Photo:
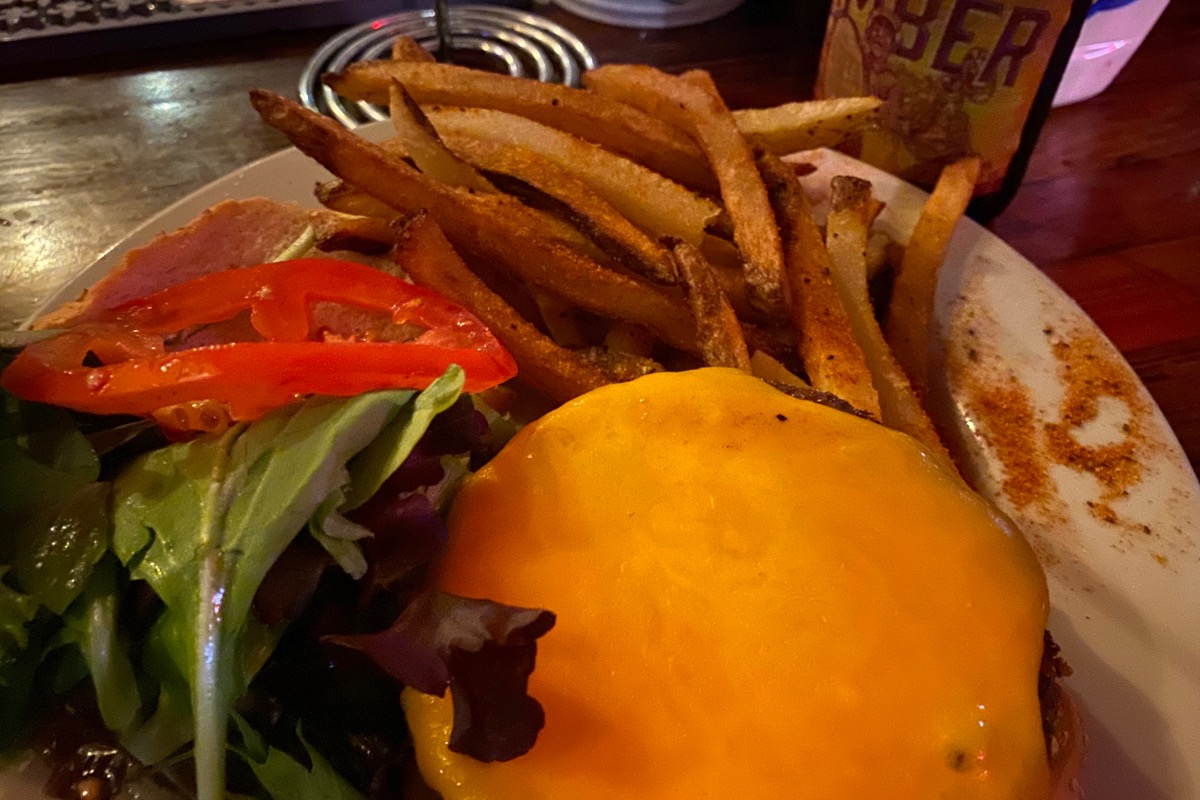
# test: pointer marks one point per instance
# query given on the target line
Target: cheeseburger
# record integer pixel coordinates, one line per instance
(757, 596)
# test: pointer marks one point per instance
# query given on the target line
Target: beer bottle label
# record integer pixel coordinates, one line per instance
(956, 77)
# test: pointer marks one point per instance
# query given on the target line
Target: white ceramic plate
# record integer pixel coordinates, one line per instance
(1121, 556)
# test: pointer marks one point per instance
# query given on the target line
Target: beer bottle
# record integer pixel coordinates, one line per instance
(956, 77)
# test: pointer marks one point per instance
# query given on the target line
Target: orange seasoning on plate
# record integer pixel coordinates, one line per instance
(956, 77)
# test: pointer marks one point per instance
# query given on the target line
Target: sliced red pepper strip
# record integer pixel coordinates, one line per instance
(280, 297)
(251, 378)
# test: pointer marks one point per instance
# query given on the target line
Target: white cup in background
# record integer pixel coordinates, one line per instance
(1112, 32)
(649, 13)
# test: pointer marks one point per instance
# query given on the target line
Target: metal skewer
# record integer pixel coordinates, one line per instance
(441, 17)
(507, 40)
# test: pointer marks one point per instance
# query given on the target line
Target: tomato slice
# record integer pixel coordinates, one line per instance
(137, 374)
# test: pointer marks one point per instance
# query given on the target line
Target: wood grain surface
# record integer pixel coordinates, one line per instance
(1110, 208)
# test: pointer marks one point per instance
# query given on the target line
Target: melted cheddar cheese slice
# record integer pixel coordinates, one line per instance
(757, 597)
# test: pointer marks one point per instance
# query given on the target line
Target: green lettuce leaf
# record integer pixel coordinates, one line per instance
(55, 546)
(382, 457)
(371, 468)
(91, 624)
(19, 667)
(203, 521)
(17, 610)
(54, 508)
(43, 456)
(284, 777)
(55, 513)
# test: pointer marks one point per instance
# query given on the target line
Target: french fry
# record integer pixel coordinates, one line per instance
(337, 195)
(406, 48)
(770, 369)
(421, 141)
(618, 365)
(720, 337)
(910, 314)
(832, 357)
(792, 127)
(846, 232)
(611, 124)
(632, 339)
(493, 227)
(549, 227)
(727, 263)
(367, 235)
(545, 186)
(777, 342)
(423, 252)
(655, 204)
(882, 252)
(560, 319)
(695, 106)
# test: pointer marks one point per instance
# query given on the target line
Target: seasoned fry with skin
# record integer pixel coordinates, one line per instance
(846, 240)
(420, 140)
(793, 127)
(910, 313)
(620, 366)
(549, 227)
(488, 227)
(367, 235)
(423, 252)
(406, 48)
(656, 204)
(695, 106)
(545, 186)
(337, 195)
(727, 262)
(609, 123)
(832, 357)
(717, 329)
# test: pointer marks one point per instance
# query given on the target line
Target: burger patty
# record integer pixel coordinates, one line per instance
(1050, 696)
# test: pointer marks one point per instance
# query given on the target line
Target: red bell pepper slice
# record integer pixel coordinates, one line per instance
(139, 376)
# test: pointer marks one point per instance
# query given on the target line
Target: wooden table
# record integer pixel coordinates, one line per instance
(1110, 208)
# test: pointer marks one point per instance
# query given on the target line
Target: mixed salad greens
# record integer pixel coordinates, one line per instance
(256, 591)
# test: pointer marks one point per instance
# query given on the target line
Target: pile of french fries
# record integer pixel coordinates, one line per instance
(635, 225)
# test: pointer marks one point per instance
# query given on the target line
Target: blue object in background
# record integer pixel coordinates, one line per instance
(1108, 5)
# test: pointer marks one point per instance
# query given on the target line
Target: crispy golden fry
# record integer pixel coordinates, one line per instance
(695, 106)
(406, 48)
(561, 320)
(487, 227)
(549, 227)
(423, 145)
(846, 240)
(609, 123)
(832, 357)
(654, 203)
(770, 369)
(337, 195)
(367, 235)
(632, 339)
(910, 313)
(543, 185)
(792, 127)
(423, 252)
(727, 262)
(722, 343)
